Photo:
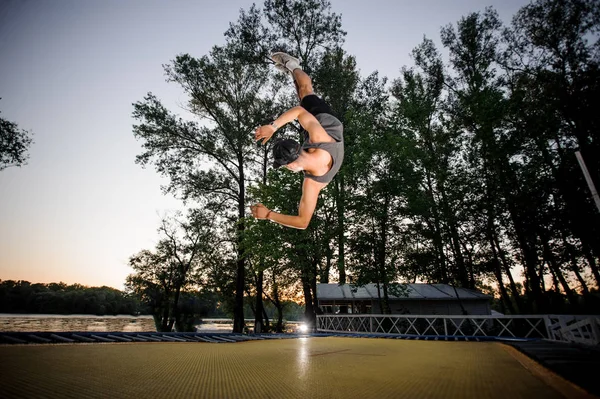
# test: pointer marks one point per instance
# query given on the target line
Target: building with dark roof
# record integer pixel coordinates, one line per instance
(417, 299)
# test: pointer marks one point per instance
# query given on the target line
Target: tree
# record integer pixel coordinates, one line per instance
(160, 277)
(553, 71)
(306, 28)
(60, 298)
(14, 144)
(457, 173)
(434, 147)
(336, 79)
(376, 178)
(225, 93)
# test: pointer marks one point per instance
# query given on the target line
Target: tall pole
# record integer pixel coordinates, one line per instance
(588, 179)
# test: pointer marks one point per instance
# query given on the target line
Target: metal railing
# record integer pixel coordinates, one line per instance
(580, 330)
(555, 327)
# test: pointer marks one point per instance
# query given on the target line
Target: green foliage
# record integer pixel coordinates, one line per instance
(459, 171)
(184, 257)
(306, 28)
(14, 143)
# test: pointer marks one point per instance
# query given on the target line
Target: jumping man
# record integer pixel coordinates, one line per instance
(321, 154)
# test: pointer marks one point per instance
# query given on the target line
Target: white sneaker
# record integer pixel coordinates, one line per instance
(282, 68)
(286, 61)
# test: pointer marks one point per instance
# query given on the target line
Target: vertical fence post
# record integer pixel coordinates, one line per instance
(445, 327)
(595, 325)
(370, 323)
(547, 322)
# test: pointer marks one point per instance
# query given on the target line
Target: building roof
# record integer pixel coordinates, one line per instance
(414, 292)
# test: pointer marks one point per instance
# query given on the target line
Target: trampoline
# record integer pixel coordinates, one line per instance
(304, 367)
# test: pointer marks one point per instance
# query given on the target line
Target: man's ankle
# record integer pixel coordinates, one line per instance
(292, 66)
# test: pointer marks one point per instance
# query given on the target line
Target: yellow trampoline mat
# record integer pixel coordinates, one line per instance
(320, 367)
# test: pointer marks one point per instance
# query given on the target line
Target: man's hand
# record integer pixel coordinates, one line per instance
(264, 133)
(259, 211)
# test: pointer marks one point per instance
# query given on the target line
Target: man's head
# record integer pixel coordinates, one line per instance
(285, 153)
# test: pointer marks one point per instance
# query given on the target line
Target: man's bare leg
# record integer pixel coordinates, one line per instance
(303, 83)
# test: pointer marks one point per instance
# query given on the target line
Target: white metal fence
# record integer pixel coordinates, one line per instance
(572, 328)
(583, 330)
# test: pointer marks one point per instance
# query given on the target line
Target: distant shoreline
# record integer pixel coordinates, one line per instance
(142, 316)
(72, 315)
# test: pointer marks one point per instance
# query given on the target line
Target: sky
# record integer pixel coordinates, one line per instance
(70, 71)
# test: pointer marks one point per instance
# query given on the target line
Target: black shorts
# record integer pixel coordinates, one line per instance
(316, 105)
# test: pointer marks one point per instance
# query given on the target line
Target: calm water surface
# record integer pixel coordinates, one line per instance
(119, 323)
(62, 323)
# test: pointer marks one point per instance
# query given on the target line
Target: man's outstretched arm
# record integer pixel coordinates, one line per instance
(265, 132)
(315, 131)
(308, 203)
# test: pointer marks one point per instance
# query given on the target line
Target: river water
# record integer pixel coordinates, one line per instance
(64, 323)
(120, 323)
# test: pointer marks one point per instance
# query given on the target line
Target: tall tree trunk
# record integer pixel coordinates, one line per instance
(386, 299)
(313, 285)
(582, 283)
(379, 298)
(469, 259)
(279, 325)
(165, 319)
(563, 179)
(511, 280)
(437, 238)
(463, 276)
(460, 303)
(592, 264)
(382, 256)
(258, 314)
(277, 302)
(526, 240)
(341, 199)
(307, 278)
(558, 273)
(309, 311)
(575, 270)
(498, 274)
(266, 317)
(541, 277)
(555, 282)
(495, 242)
(238, 310)
(503, 293)
(175, 311)
(324, 276)
(570, 251)
(525, 232)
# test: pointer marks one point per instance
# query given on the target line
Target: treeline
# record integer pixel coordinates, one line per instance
(60, 298)
(460, 170)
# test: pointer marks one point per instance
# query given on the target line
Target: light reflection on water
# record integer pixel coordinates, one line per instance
(119, 323)
(66, 323)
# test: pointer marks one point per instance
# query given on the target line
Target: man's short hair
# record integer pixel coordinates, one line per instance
(285, 151)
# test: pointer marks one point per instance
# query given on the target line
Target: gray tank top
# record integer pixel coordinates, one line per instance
(335, 129)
